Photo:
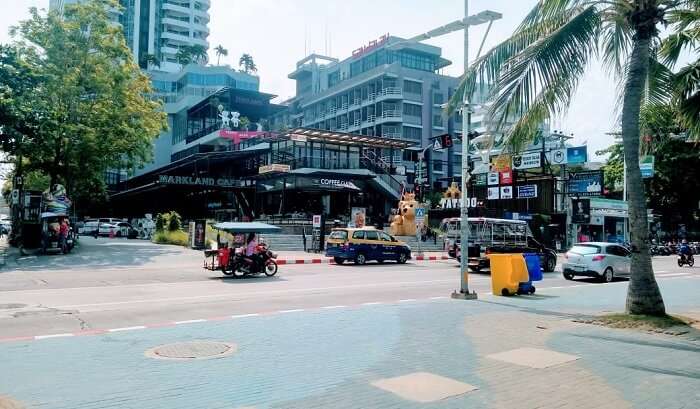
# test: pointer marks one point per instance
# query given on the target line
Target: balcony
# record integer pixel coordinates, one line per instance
(175, 36)
(391, 135)
(355, 103)
(176, 7)
(371, 98)
(354, 125)
(343, 108)
(390, 93)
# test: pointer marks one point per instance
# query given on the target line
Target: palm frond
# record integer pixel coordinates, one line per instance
(616, 39)
(659, 84)
(553, 64)
(485, 71)
(687, 96)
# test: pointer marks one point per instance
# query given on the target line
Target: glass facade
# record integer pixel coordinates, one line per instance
(407, 59)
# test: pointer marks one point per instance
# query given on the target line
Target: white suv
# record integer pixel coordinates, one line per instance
(596, 259)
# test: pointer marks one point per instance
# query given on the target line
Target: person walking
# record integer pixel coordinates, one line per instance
(303, 237)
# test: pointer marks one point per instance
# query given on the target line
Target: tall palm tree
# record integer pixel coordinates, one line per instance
(199, 54)
(150, 60)
(184, 56)
(220, 51)
(533, 75)
(246, 61)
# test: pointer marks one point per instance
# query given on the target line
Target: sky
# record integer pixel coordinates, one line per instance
(278, 33)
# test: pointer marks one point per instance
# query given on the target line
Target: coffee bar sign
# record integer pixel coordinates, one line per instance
(195, 181)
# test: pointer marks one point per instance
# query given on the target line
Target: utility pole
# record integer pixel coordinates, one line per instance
(464, 293)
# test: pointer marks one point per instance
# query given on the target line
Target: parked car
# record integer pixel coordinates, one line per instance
(362, 245)
(119, 229)
(604, 261)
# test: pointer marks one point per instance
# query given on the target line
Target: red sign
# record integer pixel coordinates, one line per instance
(506, 177)
(371, 46)
(237, 136)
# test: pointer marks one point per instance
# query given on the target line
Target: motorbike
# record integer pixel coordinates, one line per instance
(263, 261)
(234, 262)
(684, 259)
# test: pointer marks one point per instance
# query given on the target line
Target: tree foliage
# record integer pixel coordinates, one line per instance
(246, 61)
(88, 107)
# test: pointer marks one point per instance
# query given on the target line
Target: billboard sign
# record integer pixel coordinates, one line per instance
(506, 192)
(527, 192)
(501, 162)
(480, 179)
(576, 155)
(493, 193)
(493, 178)
(528, 160)
(588, 183)
(581, 211)
(646, 165)
(507, 177)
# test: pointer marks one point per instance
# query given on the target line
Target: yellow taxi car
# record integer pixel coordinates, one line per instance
(364, 244)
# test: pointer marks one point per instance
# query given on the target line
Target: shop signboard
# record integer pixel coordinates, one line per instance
(581, 213)
(493, 178)
(480, 179)
(446, 203)
(316, 221)
(596, 220)
(338, 184)
(317, 234)
(557, 156)
(589, 183)
(197, 234)
(528, 160)
(501, 162)
(196, 181)
(527, 192)
(493, 193)
(274, 168)
(576, 155)
(646, 165)
(506, 192)
(506, 177)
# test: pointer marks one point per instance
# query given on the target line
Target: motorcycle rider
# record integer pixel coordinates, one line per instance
(250, 250)
(685, 251)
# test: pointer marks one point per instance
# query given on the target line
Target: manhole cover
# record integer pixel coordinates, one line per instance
(192, 350)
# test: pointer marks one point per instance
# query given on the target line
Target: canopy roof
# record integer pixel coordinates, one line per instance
(345, 138)
(247, 227)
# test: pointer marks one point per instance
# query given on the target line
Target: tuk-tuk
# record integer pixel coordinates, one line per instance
(51, 241)
(233, 260)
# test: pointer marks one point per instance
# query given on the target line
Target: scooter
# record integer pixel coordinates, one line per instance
(684, 259)
(263, 262)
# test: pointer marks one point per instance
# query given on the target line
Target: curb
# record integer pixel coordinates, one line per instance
(282, 262)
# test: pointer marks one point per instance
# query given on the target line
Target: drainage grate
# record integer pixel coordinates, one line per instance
(193, 350)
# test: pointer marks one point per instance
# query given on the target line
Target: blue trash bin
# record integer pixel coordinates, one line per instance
(534, 271)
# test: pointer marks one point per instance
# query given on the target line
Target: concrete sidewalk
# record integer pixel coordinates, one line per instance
(497, 352)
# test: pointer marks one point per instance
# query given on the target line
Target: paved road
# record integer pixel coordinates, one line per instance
(117, 283)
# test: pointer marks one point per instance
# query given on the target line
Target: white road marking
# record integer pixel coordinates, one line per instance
(333, 307)
(437, 298)
(371, 303)
(244, 315)
(53, 336)
(127, 328)
(189, 321)
(290, 311)
(674, 275)
(659, 272)
(298, 290)
(408, 300)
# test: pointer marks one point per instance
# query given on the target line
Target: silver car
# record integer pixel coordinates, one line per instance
(596, 259)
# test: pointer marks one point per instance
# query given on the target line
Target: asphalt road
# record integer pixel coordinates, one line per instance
(108, 284)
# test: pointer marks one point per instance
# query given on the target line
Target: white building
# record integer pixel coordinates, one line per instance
(159, 28)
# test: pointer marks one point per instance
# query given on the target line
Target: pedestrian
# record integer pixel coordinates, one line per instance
(62, 233)
(303, 237)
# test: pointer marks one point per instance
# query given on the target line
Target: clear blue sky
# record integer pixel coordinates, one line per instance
(274, 32)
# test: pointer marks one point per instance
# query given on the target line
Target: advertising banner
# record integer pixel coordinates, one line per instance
(557, 156)
(199, 236)
(493, 178)
(506, 192)
(501, 162)
(480, 179)
(507, 177)
(237, 136)
(588, 183)
(493, 193)
(528, 160)
(527, 192)
(581, 213)
(358, 217)
(578, 154)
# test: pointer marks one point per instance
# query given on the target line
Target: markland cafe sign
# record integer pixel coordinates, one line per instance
(195, 181)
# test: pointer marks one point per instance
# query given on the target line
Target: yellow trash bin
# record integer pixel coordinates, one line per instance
(507, 272)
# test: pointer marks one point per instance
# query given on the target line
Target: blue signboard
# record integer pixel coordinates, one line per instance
(576, 155)
(527, 192)
(585, 183)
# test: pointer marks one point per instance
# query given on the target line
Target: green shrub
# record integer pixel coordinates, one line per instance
(174, 221)
(178, 238)
(161, 221)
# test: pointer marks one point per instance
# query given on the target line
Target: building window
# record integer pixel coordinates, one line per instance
(413, 134)
(413, 110)
(333, 78)
(413, 87)
(438, 98)
(437, 120)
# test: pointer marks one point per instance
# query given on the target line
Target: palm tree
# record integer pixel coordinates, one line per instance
(534, 74)
(184, 56)
(246, 61)
(199, 54)
(220, 51)
(150, 60)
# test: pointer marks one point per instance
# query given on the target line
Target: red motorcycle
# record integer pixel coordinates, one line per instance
(262, 261)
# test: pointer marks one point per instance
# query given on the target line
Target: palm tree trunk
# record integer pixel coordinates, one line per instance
(643, 295)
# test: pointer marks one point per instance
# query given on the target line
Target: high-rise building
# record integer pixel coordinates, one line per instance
(159, 28)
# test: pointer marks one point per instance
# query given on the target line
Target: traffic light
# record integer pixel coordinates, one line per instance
(446, 141)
